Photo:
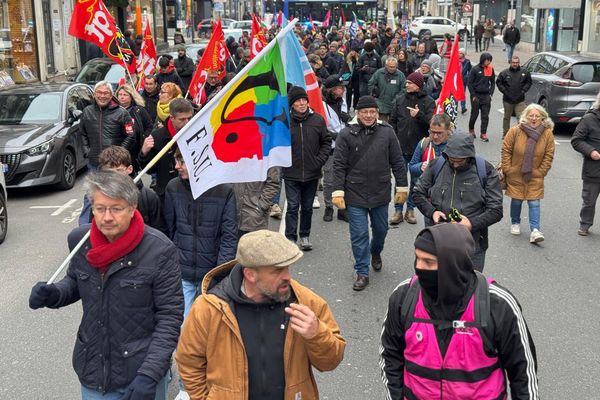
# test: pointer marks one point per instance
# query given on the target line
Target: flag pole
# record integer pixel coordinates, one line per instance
(170, 144)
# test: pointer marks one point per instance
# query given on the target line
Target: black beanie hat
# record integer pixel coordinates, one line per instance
(295, 93)
(425, 242)
(366, 102)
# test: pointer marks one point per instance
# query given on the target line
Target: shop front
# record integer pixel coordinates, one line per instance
(557, 24)
(592, 32)
(18, 48)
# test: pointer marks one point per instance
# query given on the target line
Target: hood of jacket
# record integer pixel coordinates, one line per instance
(460, 146)
(456, 277)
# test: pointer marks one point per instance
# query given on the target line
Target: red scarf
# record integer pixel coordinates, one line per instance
(103, 253)
(171, 128)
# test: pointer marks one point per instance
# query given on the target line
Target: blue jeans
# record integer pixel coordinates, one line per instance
(300, 197)
(534, 212)
(162, 388)
(358, 218)
(86, 210)
(510, 48)
(410, 205)
(191, 290)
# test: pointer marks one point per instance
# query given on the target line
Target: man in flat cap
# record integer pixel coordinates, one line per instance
(256, 333)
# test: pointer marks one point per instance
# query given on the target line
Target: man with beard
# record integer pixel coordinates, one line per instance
(256, 332)
(411, 113)
(461, 187)
(451, 333)
(513, 82)
(150, 95)
(185, 68)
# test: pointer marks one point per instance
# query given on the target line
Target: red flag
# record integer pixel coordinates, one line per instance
(146, 62)
(453, 89)
(312, 27)
(257, 37)
(343, 18)
(326, 19)
(92, 22)
(214, 59)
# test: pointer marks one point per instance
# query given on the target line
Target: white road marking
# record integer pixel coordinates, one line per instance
(59, 209)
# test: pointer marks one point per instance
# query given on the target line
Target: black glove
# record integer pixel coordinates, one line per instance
(43, 295)
(141, 388)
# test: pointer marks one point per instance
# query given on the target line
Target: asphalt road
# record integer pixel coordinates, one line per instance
(557, 283)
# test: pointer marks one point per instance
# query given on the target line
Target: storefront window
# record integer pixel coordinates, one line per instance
(594, 30)
(148, 9)
(18, 54)
(159, 24)
(527, 22)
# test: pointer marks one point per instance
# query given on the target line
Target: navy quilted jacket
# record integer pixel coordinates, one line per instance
(204, 230)
(131, 315)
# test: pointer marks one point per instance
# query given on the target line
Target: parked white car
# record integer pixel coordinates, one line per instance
(438, 26)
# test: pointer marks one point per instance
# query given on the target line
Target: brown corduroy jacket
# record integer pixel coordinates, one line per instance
(212, 360)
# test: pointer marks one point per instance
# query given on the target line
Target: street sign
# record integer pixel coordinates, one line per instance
(467, 13)
(467, 8)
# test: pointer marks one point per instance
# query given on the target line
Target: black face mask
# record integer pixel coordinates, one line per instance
(429, 282)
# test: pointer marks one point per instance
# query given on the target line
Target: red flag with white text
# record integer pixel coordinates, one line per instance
(146, 61)
(257, 38)
(326, 19)
(453, 89)
(214, 59)
(91, 21)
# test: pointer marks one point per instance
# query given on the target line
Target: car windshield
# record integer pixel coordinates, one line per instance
(29, 108)
(96, 72)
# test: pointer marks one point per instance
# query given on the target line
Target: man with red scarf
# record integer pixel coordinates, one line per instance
(128, 280)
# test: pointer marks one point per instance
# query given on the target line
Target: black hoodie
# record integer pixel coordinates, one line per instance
(461, 189)
(507, 336)
(479, 84)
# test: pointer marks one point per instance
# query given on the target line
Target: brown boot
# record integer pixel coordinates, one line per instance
(376, 262)
(410, 217)
(361, 283)
(396, 218)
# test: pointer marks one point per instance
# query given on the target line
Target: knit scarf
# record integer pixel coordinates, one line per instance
(533, 134)
(103, 252)
(162, 110)
(171, 128)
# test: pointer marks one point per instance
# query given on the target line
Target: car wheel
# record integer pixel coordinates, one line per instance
(68, 171)
(3, 218)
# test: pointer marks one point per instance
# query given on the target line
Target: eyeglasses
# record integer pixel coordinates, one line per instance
(101, 210)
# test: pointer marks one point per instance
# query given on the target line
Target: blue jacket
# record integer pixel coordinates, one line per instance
(204, 230)
(414, 166)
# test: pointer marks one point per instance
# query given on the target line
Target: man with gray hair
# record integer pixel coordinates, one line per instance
(127, 278)
(255, 331)
(102, 124)
(385, 84)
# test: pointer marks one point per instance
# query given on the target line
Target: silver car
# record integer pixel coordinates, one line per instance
(565, 84)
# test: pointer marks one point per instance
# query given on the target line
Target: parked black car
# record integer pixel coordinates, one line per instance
(40, 140)
(565, 84)
(3, 210)
(101, 69)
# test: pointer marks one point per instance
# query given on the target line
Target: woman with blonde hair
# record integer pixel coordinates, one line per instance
(168, 92)
(133, 102)
(527, 154)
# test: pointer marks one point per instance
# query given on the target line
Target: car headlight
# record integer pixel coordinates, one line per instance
(43, 148)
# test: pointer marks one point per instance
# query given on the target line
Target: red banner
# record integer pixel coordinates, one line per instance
(214, 59)
(257, 38)
(146, 61)
(453, 89)
(92, 22)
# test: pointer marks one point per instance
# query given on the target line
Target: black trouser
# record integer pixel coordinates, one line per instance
(478, 46)
(589, 195)
(352, 93)
(299, 196)
(483, 103)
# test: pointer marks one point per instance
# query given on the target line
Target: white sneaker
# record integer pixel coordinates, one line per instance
(182, 395)
(536, 236)
(515, 229)
(316, 203)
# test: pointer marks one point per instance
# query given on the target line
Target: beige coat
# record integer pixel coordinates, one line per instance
(211, 357)
(513, 152)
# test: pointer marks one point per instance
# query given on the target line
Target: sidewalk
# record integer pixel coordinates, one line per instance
(500, 60)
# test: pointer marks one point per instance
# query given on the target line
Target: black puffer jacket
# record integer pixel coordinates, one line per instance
(142, 126)
(311, 145)
(514, 83)
(151, 100)
(586, 139)
(104, 127)
(372, 61)
(410, 130)
(368, 183)
(204, 230)
(185, 69)
(131, 316)
(461, 190)
(165, 167)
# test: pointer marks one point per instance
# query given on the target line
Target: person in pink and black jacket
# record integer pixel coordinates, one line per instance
(452, 333)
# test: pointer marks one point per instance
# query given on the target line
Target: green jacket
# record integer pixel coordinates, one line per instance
(385, 86)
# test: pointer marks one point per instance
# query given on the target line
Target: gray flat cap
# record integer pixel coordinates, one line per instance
(266, 248)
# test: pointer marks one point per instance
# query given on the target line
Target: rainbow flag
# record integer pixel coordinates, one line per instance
(245, 129)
